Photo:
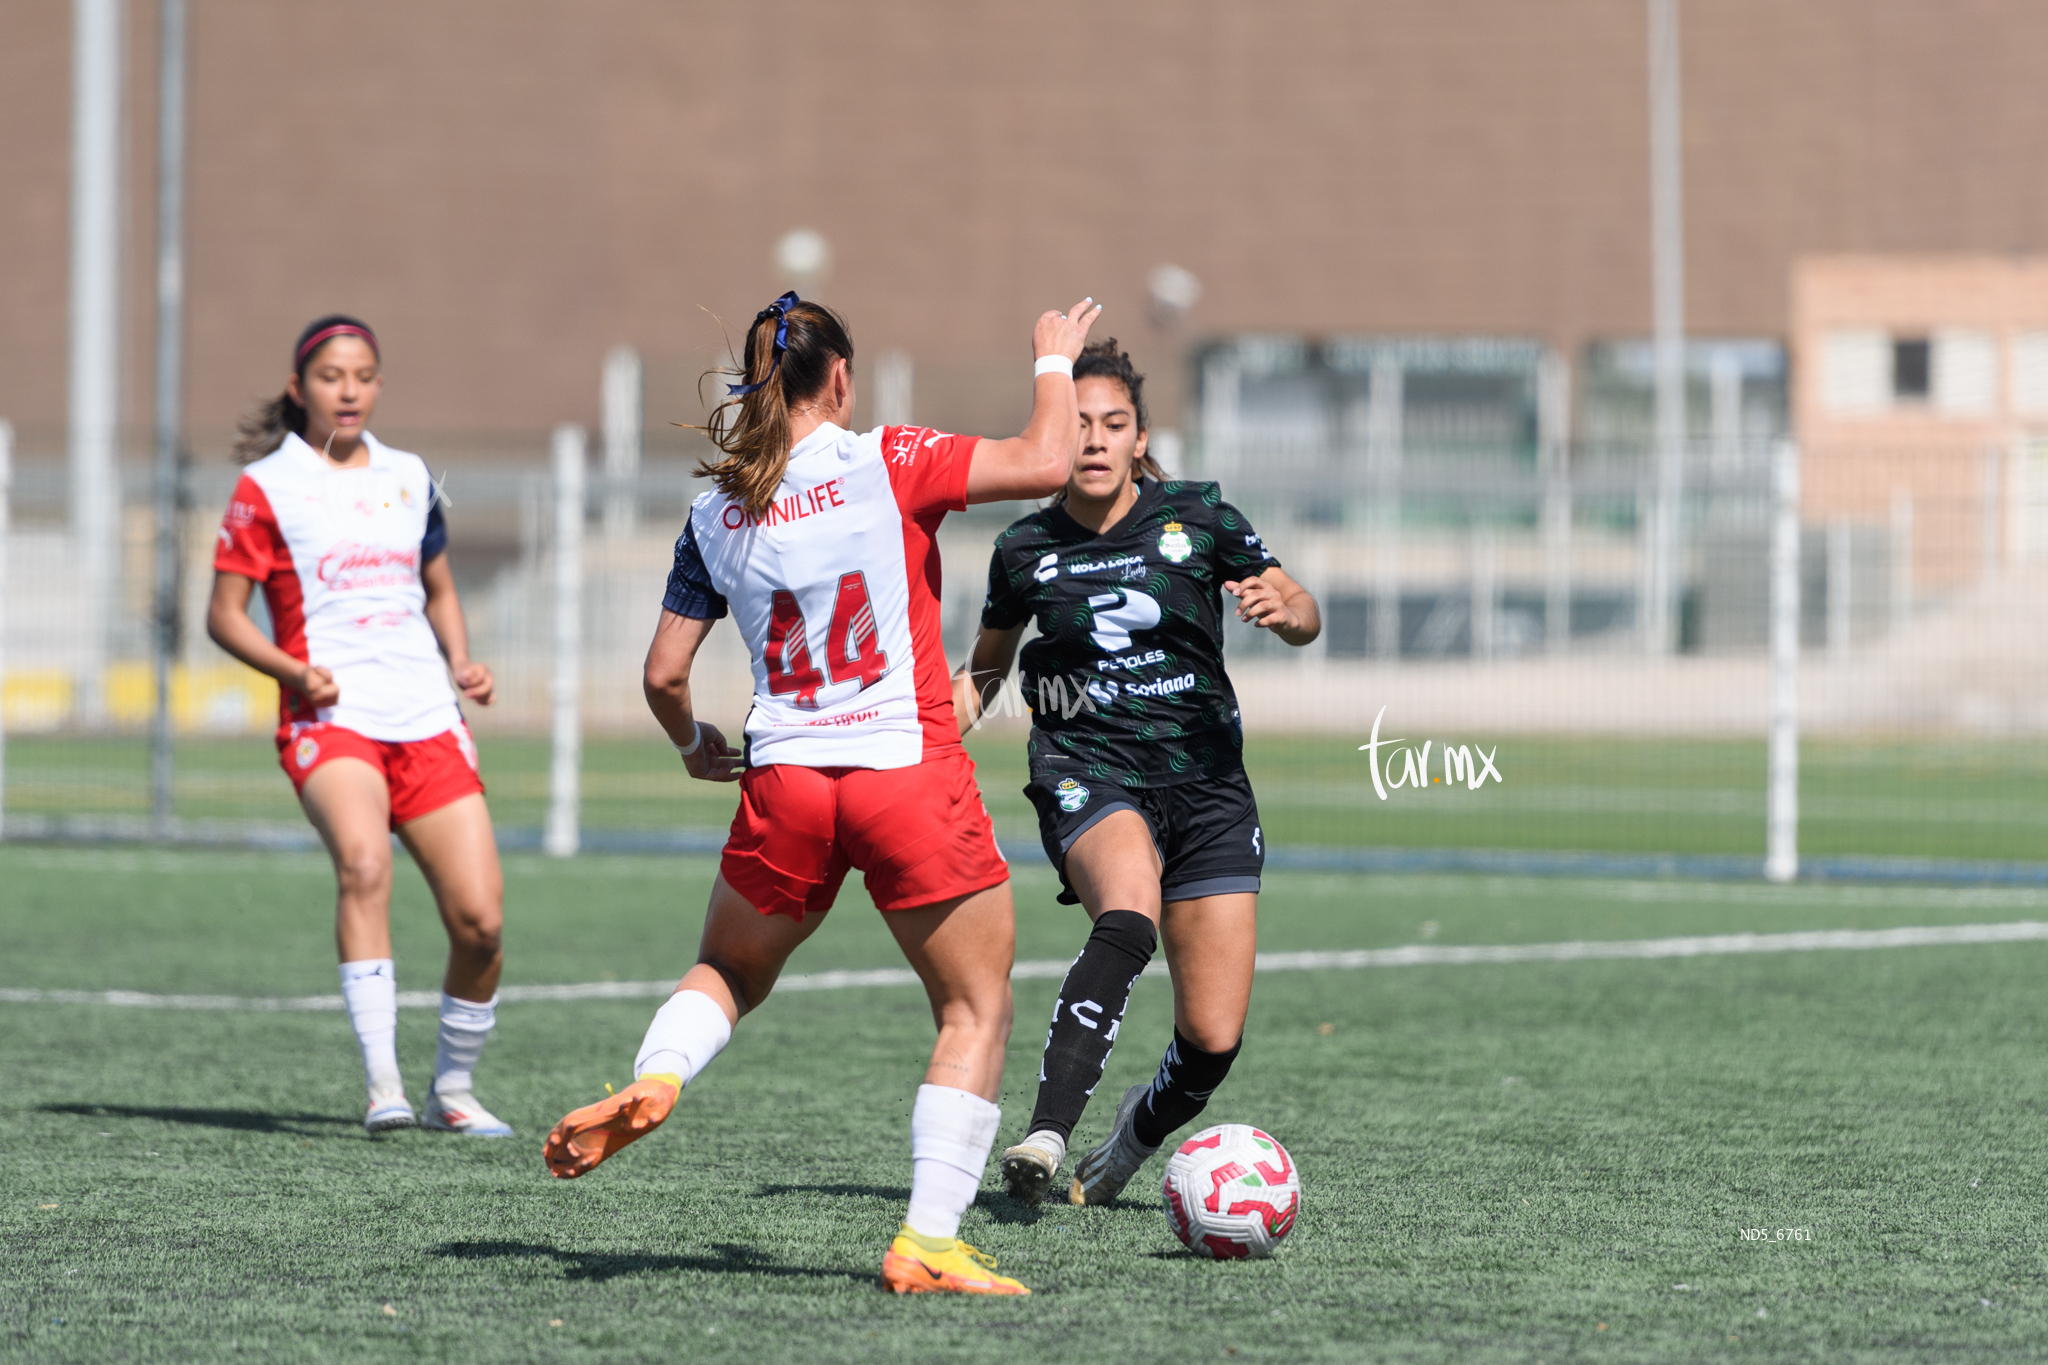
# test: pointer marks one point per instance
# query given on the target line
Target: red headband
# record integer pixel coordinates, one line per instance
(325, 334)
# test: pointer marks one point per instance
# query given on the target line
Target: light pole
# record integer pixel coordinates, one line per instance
(170, 370)
(94, 362)
(1667, 302)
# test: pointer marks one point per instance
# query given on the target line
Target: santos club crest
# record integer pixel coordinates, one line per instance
(1072, 795)
(1174, 543)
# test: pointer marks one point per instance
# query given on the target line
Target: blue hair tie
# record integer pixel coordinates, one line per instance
(780, 310)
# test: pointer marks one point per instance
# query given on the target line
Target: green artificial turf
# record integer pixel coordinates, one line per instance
(1926, 798)
(1510, 1162)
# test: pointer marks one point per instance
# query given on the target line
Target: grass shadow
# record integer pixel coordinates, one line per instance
(998, 1205)
(900, 1193)
(234, 1120)
(1012, 1212)
(730, 1258)
(1057, 1202)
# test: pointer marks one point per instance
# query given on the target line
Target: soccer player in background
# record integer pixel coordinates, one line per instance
(821, 545)
(347, 540)
(1136, 765)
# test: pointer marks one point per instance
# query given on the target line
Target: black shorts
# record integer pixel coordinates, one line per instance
(1207, 831)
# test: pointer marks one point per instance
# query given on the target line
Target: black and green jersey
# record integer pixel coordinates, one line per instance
(1125, 680)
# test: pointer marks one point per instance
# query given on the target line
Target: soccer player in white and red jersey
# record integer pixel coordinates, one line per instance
(346, 538)
(820, 543)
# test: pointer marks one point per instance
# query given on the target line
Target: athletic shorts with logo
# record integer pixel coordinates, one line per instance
(919, 835)
(423, 775)
(1207, 831)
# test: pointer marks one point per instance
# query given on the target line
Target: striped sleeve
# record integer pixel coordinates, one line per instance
(690, 589)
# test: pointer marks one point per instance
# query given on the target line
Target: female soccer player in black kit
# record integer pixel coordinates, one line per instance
(1136, 765)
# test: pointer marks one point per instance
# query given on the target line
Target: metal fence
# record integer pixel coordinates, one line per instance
(1607, 651)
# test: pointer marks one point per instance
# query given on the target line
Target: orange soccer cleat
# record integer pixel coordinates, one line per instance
(590, 1134)
(927, 1265)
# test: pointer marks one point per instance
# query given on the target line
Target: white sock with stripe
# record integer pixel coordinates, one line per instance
(686, 1034)
(465, 1024)
(370, 990)
(951, 1132)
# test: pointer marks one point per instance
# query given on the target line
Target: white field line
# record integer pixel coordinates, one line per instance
(1411, 955)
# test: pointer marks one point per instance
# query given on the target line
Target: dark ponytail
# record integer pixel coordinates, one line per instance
(263, 428)
(753, 428)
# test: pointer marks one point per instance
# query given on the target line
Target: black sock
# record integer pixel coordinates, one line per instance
(1187, 1078)
(1085, 1019)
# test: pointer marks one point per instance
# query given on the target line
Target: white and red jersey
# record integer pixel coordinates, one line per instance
(835, 588)
(338, 553)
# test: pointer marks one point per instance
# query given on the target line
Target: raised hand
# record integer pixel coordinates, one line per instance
(1065, 333)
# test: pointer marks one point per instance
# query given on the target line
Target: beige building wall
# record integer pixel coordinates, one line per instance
(508, 189)
(1967, 453)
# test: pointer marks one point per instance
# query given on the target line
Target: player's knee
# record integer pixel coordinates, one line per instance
(748, 982)
(362, 872)
(480, 933)
(1215, 1035)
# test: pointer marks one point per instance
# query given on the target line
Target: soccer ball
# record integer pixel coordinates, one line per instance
(1231, 1192)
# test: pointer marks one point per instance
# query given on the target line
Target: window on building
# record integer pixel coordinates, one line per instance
(1855, 368)
(1734, 394)
(1964, 371)
(2030, 373)
(1288, 406)
(1912, 369)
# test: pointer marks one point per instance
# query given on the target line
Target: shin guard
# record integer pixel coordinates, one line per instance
(1086, 1017)
(1187, 1078)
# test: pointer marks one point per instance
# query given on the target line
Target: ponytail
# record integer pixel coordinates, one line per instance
(264, 427)
(788, 358)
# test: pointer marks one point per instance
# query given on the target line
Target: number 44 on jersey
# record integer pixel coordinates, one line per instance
(852, 648)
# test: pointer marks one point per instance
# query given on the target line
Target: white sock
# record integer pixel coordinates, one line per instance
(951, 1132)
(686, 1034)
(1051, 1142)
(370, 990)
(464, 1026)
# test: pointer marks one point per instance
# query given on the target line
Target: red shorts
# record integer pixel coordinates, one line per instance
(423, 775)
(919, 835)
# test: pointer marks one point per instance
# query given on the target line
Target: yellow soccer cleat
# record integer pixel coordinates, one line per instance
(933, 1265)
(592, 1133)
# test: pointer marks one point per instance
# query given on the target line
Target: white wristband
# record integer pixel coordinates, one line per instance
(1053, 364)
(696, 740)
